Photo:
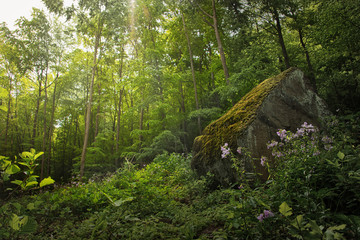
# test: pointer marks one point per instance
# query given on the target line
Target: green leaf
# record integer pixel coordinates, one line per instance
(29, 225)
(231, 215)
(339, 227)
(12, 169)
(46, 181)
(285, 210)
(31, 206)
(23, 224)
(17, 182)
(341, 155)
(316, 232)
(25, 164)
(15, 222)
(121, 201)
(298, 222)
(30, 184)
(38, 155)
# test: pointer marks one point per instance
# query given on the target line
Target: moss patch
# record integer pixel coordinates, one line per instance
(232, 124)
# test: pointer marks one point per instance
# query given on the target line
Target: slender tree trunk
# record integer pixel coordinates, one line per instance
(97, 121)
(192, 71)
(118, 124)
(36, 116)
(7, 126)
(220, 46)
(182, 109)
(45, 129)
(141, 121)
(281, 39)
(51, 125)
(88, 109)
(307, 55)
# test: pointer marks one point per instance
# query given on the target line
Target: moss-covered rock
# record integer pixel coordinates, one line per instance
(281, 102)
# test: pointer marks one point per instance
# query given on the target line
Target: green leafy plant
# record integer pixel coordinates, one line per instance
(28, 160)
(16, 220)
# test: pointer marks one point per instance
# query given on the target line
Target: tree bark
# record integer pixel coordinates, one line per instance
(118, 123)
(192, 71)
(310, 67)
(97, 121)
(88, 109)
(7, 126)
(220, 46)
(51, 124)
(45, 129)
(281, 38)
(36, 116)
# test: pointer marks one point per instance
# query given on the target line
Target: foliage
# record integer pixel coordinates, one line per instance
(14, 215)
(313, 194)
(144, 104)
(28, 161)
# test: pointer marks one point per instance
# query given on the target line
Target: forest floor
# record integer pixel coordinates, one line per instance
(315, 194)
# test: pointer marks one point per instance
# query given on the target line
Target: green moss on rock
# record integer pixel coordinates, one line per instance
(231, 125)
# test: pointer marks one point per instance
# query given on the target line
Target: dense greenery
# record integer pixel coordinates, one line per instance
(148, 76)
(314, 196)
(112, 99)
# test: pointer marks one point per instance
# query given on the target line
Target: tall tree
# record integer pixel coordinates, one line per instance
(192, 70)
(215, 25)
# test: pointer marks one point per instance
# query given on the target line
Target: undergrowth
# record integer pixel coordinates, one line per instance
(313, 192)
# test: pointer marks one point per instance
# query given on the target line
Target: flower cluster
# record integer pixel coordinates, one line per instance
(225, 150)
(307, 131)
(263, 161)
(266, 214)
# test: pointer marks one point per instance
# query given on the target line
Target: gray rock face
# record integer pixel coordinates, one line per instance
(283, 102)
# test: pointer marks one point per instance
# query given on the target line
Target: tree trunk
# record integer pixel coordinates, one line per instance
(141, 122)
(7, 126)
(51, 125)
(118, 127)
(88, 110)
(45, 130)
(192, 71)
(281, 39)
(182, 109)
(97, 121)
(310, 67)
(36, 116)
(220, 46)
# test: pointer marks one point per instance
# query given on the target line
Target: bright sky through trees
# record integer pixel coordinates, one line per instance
(12, 10)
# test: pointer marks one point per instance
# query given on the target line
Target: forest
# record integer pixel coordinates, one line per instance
(100, 103)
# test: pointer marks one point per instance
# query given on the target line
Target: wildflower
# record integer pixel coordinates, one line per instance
(263, 160)
(328, 147)
(225, 150)
(278, 154)
(260, 217)
(239, 150)
(272, 144)
(266, 214)
(300, 132)
(309, 127)
(241, 187)
(326, 139)
(316, 153)
(282, 134)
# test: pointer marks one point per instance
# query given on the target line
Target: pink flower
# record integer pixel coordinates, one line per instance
(263, 160)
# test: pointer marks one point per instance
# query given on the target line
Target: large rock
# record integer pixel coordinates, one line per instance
(282, 102)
